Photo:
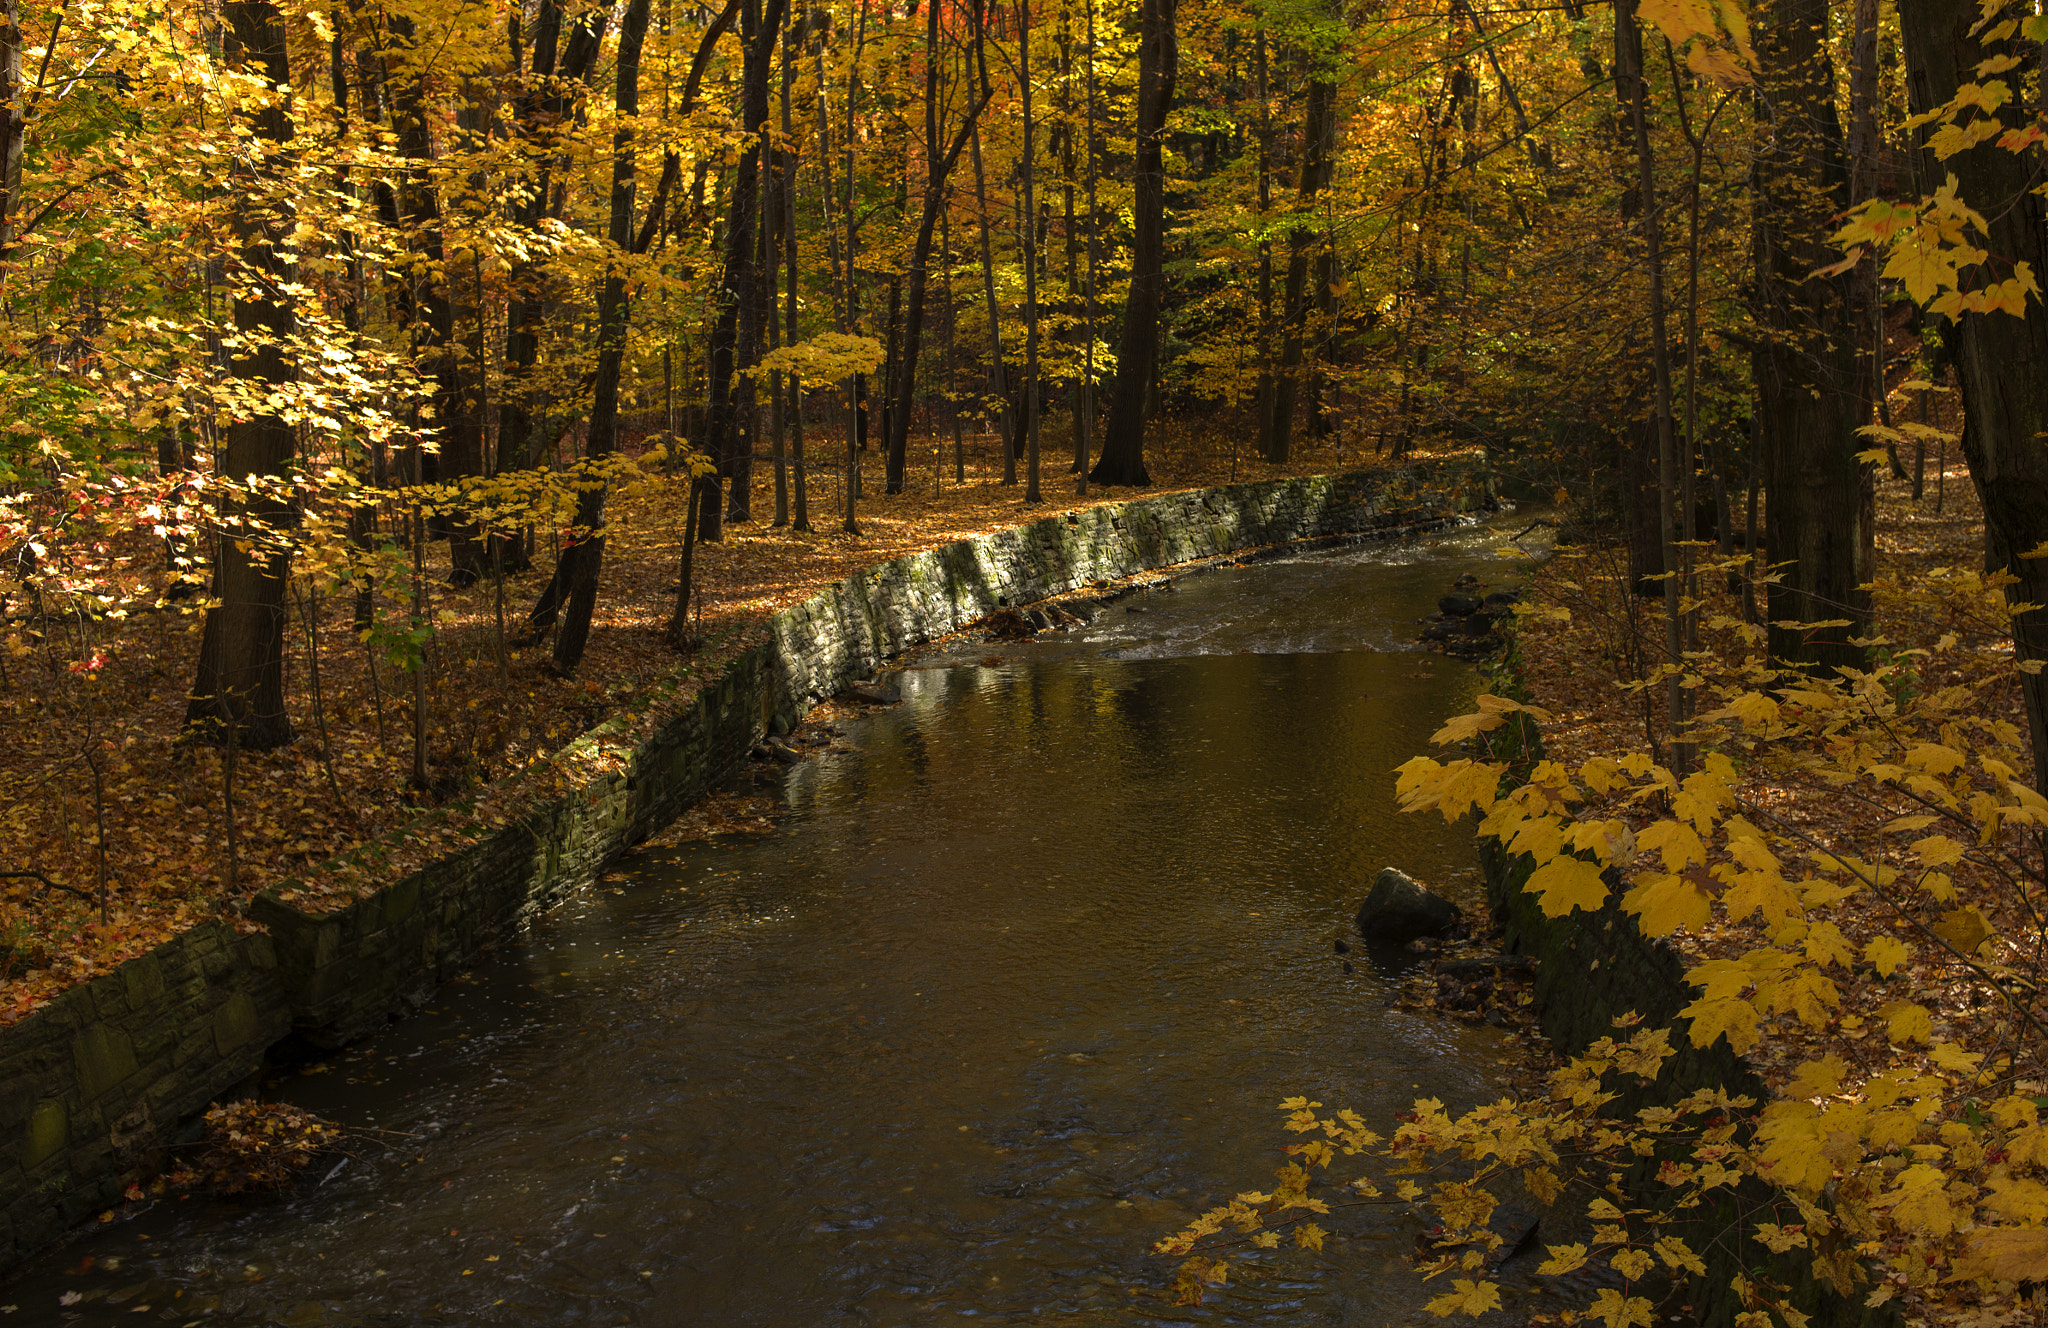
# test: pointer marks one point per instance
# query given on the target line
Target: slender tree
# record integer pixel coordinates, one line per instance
(1123, 429)
(1305, 243)
(582, 561)
(939, 158)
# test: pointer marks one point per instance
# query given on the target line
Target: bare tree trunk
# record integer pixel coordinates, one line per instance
(794, 412)
(1084, 412)
(1123, 431)
(939, 160)
(1818, 496)
(13, 134)
(1318, 144)
(1030, 168)
(582, 561)
(999, 384)
(544, 102)
(735, 335)
(1633, 88)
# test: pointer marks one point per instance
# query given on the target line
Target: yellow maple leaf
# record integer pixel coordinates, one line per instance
(1733, 1019)
(1664, 903)
(2006, 1254)
(1757, 711)
(1677, 1254)
(1908, 1022)
(1949, 1056)
(1563, 1259)
(1964, 928)
(1815, 1078)
(1678, 843)
(1467, 1297)
(1563, 884)
(2018, 1199)
(1618, 1311)
(1679, 20)
(1920, 1202)
(1938, 850)
(1886, 953)
(1921, 265)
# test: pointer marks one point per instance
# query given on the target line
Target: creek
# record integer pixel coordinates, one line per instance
(1010, 992)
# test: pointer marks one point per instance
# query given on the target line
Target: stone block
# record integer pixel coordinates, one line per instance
(235, 1022)
(143, 980)
(49, 1130)
(105, 1058)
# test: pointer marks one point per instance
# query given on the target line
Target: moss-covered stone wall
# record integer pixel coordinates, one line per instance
(97, 1082)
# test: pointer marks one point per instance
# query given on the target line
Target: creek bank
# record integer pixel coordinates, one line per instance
(94, 1085)
(1594, 967)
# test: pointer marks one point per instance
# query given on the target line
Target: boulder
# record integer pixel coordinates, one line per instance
(1459, 605)
(874, 693)
(1500, 601)
(1399, 908)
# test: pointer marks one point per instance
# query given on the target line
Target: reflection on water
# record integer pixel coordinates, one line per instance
(1011, 992)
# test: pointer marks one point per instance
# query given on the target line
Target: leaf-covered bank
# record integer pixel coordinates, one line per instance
(1846, 883)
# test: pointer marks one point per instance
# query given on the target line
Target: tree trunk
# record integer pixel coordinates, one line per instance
(537, 111)
(999, 381)
(1818, 496)
(13, 135)
(1084, 410)
(939, 160)
(735, 336)
(1029, 203)
(238, 695)
(1123, 430)
(457, 419)
(582, 561)
(1318, 142)
(1631, 85)
(2001, 361)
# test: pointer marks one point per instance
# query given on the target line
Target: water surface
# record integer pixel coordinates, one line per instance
(1010, 993)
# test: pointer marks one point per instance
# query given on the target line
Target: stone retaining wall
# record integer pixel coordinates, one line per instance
(91, 1083)
(96, 1082)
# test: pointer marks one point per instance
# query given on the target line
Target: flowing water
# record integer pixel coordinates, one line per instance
(1010, 992)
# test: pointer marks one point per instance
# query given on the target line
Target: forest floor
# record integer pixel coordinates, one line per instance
(99, 801)
(1578, 670)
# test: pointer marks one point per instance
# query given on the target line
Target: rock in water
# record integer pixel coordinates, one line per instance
(1400, 908)
(1457, 606)
(874, 693)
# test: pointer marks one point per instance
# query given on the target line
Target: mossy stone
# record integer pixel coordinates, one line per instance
(49, 1129)
(105, 1058)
